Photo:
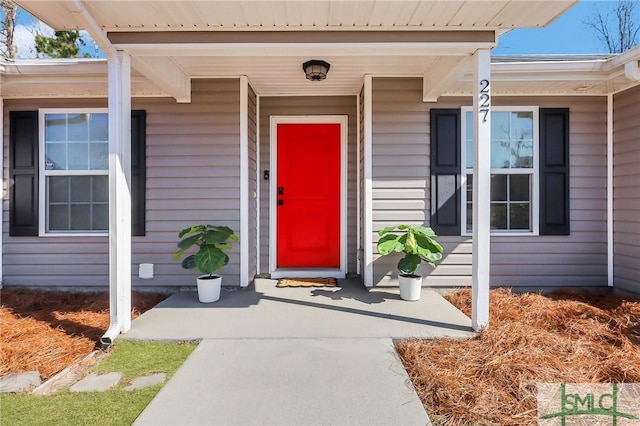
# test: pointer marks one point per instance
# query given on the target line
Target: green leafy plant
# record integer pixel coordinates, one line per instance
(418, 243)
(63, 44)
(211, 240)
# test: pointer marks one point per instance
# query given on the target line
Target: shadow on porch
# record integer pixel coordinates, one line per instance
(263, 311)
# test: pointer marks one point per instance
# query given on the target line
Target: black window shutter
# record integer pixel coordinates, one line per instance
(445, 171)
(554, 171)
(23, 173)
(138, 172)
(23, 153)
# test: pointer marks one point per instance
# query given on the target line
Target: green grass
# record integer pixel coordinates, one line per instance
(114, 407)
(134, 359)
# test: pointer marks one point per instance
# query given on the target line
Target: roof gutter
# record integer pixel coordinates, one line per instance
(632, 70)
(116, 318)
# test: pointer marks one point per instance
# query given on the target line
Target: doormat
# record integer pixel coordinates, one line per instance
(307, 282)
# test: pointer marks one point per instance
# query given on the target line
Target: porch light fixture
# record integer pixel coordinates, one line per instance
(316, 70)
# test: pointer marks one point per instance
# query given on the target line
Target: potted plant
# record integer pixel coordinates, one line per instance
(418, 243)
(211, 240)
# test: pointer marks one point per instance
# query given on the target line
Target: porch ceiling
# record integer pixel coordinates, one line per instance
(136, 15)
(283, 75)
(273, 60)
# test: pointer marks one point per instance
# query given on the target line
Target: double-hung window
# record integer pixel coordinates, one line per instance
(74, 169)
(514, 170)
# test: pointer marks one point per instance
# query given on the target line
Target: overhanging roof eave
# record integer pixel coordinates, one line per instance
(285, 14)
(21, 71)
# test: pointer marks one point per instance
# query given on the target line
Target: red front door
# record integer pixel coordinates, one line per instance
(308, 196)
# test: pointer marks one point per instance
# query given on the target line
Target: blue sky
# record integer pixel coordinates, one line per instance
(567, 34)
(27, 27)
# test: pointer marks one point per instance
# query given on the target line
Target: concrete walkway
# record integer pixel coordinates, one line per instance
(293, 356)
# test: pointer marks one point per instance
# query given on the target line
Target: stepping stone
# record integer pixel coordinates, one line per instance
(69, 375)
(97, 383)
(146, 381)
(20, 382)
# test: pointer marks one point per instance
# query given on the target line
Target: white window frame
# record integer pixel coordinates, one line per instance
(534, 172)
(43, 173)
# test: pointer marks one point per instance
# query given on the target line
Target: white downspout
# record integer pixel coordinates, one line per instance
(632, 70)
(119, 273)
(610, 190)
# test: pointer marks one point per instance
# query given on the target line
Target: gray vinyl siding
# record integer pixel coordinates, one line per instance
(401, 193)
(193, 176)
(253, 184)
(400, 165)
(302, 105)
(626, 190)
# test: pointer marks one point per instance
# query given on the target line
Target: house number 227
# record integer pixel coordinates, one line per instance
(484, 101)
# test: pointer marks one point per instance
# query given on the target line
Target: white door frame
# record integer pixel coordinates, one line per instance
(273, 178)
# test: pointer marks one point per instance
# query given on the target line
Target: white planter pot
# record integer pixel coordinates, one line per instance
(410, 287)
(209, 288)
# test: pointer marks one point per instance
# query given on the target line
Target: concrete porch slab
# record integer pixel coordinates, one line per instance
(294, 356)
(263, 311)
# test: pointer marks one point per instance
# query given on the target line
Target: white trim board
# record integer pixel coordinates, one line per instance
(244, 182)
(358, 188)
(273, 179)
(258, 185)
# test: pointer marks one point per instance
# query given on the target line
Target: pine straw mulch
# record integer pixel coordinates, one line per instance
(569, 336)
(47, 331)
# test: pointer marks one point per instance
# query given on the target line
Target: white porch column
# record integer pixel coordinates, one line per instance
(368, 184)
(481, 189)
(119, 65)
